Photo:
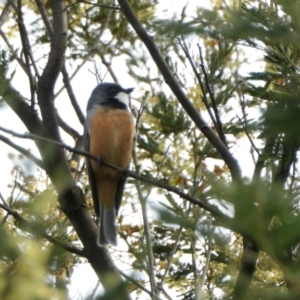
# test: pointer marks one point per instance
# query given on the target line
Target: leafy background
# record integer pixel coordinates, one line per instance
(169, 247)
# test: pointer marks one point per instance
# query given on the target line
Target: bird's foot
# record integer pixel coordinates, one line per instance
(125, 173)
(99, 161)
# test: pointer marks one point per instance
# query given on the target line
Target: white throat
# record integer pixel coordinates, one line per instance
(123, 97)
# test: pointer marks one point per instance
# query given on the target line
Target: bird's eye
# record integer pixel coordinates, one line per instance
(112, 90)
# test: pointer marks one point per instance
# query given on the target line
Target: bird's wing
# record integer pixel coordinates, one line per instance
(120, 191)
(86, 144)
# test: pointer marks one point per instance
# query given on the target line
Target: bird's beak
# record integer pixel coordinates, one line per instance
(128, 91)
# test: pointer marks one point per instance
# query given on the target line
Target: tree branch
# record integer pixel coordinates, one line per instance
(178, 92)
(36, 229)
(72, 97)
(67, 128)
(213, 100)
(27, 53)
(23, 151)
(197, 74)
(5, 13)
(95, 4)
(210, 208)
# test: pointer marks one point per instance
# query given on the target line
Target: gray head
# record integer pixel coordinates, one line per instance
(109, 94)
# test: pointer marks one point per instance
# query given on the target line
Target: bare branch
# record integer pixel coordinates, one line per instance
(23, 151)
(244, 124)
(134, 282)
(213, 100)
(10, 47)
(109, 69)
(5, 13)
(208, 255)
(197, 74)
(95, 4)
(27, 53)
(150, 256)
(66, 79)
(67, 128)
(54, 159)
(243, 107)
(74, 102)
(45, 18)
(170, 259)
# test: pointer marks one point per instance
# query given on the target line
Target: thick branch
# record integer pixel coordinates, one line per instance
(54, 159)
(66, 78)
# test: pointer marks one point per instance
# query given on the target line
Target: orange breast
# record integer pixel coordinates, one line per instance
(111, 137)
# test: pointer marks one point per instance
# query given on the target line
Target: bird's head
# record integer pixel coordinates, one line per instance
(109, 94)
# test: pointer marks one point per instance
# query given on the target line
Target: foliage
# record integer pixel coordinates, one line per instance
(173, 247)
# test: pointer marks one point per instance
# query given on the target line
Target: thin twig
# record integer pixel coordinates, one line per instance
(45, 18)
(67, 80)
(248, 135)
(166, 294)
(109, 68)
(245, 124)
(67, 128)
(184, 47)
(3, 200)
(213, 100)
(36, 229)
(94, 291)
(194, 255)
(162, 161)
(135, 282)
(12, 50)
(5, 13)
(143, 200)
(27, 54)
(140, 112)
(94, 4)
(208, 255)
(174, 249)
(147, 234)
(23, 151)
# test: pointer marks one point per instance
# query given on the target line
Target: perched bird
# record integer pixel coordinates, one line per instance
(108, 132)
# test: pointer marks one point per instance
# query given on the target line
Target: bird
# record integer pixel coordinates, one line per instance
(109, 131)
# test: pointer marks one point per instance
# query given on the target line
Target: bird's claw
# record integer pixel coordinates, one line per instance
(99, 160)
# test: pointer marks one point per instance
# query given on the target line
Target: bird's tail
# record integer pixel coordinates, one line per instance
(107, 227)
